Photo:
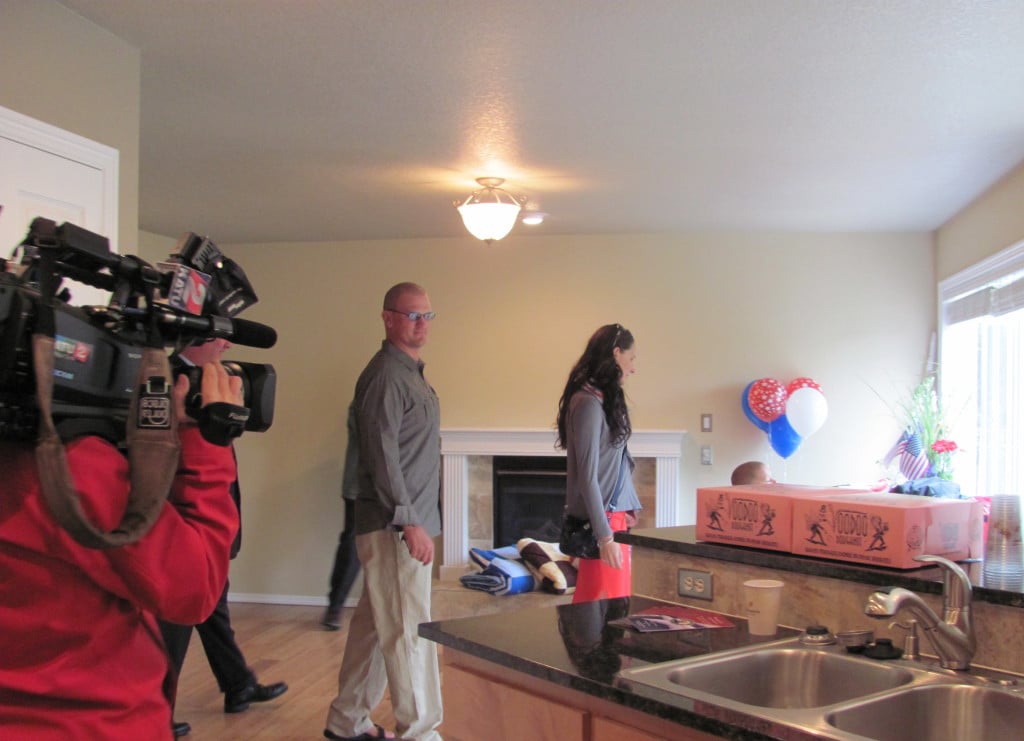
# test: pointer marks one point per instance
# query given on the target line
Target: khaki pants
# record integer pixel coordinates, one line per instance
(383, 648)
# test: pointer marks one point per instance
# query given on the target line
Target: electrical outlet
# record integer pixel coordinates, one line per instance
(695, 584)
(706, 459)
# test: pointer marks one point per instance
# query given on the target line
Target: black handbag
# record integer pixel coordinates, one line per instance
(577, 538)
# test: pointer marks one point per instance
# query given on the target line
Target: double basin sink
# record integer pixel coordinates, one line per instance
(830, 693)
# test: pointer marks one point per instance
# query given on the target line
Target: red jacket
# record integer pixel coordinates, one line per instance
(80, 653)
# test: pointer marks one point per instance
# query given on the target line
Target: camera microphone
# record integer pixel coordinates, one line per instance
(239, 331)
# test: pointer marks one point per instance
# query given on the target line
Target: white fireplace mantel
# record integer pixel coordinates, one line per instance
(457, 445)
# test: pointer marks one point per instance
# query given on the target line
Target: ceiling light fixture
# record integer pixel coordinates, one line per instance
(532, 218)
(489, 213)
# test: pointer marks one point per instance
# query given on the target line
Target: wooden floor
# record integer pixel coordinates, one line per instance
(287, 643)
(281, 643)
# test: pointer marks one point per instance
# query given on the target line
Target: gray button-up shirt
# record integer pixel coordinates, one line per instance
(398, 417)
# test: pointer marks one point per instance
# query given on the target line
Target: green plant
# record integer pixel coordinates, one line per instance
(924, 415)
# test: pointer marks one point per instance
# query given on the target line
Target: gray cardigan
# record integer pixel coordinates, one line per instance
(592, 465)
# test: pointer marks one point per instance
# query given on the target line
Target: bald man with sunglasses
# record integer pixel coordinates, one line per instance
(397, 517)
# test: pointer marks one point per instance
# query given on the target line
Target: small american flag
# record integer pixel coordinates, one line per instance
(913, 459)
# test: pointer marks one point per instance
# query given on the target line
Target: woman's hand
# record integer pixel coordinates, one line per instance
(630, 519)
(611, 552)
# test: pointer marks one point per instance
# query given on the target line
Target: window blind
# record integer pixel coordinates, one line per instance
(993, 287)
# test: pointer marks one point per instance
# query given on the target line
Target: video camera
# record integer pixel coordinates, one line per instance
(192, 297)
(67, 371)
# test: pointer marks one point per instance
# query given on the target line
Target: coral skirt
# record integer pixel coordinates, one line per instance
(596, 580)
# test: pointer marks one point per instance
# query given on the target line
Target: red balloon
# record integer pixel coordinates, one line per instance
(767, 399)
(801, 383)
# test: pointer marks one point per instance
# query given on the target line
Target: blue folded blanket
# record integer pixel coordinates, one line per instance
(483, 582)
(499, 576)
(482, 557)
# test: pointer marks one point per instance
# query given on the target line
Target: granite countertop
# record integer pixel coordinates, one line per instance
(682, 539)
(573, 646)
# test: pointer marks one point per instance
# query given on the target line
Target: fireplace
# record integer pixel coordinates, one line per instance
(458, 446)
(529, 493)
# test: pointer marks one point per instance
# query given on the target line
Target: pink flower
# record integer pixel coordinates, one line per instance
(944, 446)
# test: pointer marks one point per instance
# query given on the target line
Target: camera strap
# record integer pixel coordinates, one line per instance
(153, 449)
(151, 432)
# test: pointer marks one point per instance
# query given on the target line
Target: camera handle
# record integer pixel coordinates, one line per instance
(153, 449)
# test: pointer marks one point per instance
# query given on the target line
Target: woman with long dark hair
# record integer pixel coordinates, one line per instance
(593, 429)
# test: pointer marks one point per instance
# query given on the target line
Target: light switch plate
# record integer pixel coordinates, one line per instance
(705, 423)
(706, 458)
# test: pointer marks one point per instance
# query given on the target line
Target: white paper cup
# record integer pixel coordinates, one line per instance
(761, 600)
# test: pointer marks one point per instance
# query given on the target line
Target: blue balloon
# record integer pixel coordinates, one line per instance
(783, 437)
(758, 422)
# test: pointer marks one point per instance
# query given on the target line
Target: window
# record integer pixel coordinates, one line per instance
(982, 372)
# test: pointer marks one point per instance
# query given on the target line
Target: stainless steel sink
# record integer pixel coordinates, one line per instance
(831, 694)
(935, 713)
(790, 677)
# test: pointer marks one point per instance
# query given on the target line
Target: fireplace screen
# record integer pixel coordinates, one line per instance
(529, 494)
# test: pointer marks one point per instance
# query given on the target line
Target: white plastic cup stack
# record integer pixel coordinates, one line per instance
(1004, 550)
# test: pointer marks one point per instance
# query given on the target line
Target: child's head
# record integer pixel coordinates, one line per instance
(752, 472)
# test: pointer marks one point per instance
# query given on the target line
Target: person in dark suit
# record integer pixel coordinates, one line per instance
(346, 560)
(234, 677)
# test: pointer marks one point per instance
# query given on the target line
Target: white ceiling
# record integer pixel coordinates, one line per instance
(296, 120)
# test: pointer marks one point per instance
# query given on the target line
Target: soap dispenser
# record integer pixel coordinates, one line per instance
(910, 641)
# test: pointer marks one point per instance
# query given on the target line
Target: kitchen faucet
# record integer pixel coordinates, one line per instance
(952, 637)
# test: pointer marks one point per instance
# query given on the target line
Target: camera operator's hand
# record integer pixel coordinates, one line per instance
(217, 387)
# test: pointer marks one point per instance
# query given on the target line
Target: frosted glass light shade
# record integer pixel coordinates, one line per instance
(490, 213)
(489, 221)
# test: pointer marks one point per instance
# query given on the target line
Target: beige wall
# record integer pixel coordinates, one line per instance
(710, 313)
(63, 70)
(990, 224)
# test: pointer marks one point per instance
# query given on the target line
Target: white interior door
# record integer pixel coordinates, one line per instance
(45, 171)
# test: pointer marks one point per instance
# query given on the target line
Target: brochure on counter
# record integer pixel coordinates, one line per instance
(672, 617)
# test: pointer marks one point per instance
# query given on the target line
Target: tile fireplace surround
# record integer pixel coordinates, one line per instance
(458, 445)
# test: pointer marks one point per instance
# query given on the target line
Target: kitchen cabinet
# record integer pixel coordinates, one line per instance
(482, 701)
(477, 707)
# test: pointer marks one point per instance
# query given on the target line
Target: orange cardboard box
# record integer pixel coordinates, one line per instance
(885, 529)
(755, 515)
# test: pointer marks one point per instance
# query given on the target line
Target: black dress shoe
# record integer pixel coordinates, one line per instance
(236, 702)
(332, 619)
(180, 728)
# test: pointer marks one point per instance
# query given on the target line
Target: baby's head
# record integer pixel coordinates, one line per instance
(752, 472)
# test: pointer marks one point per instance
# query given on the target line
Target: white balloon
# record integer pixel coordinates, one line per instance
(806, 410)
